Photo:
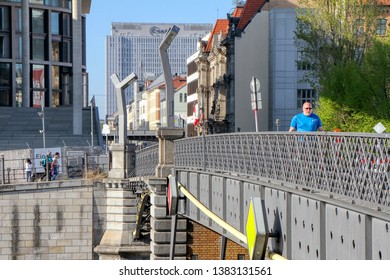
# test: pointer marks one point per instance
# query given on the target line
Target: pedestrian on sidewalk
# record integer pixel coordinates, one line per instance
(55, 164)
(28, 168)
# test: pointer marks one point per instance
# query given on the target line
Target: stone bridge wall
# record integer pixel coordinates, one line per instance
(51, 220)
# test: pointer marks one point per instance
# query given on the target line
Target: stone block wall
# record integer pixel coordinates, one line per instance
(47, 221)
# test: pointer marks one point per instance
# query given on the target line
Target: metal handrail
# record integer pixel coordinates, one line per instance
(352, 165)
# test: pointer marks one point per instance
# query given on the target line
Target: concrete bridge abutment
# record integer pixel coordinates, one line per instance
(117, 241)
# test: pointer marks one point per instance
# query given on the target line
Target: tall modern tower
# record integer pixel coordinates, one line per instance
(43, 54)
(134, 47)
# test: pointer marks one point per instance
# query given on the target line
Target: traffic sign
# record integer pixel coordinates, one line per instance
(172, 195)
(255, 85)
(106, 129)
(256, 230)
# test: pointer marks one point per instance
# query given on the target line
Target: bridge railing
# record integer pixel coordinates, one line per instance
(348, 164)
(146, 162)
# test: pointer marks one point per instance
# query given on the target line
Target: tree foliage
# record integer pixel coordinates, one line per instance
(350, 63)
(334, 32)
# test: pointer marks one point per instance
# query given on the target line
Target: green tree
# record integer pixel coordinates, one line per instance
(350, 63)
(334, 32)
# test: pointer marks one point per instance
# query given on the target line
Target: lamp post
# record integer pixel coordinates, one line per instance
(92, 106)
(256, 98)
(42, 115)
(165, 44)
(277, 123)
(120, 86)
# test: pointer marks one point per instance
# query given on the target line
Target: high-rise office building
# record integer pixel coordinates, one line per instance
(134, 47)
(43, 54)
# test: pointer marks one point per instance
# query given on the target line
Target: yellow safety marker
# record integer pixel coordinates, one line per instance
(255, 232)
(211, 215)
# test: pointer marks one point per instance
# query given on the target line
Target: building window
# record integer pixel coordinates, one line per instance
(55, 72)
(66, 87)
(18, 47)
(4, 46)
(66, 23)
(38, 21)
(19, 85)
(5, 85)
(19, 23)
(55, 23)
(66, 51)
(194, 257)
(306, 95)
(36, 2)
(38, 80)
(4, 19)
(55, 51)
(359, 27)
(181, 97)
(302, 63)
(4, 33)
(381, 27)
(241, 257)
(38, 48)
(38, 36)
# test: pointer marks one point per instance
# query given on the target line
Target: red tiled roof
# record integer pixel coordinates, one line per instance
(179, 82)
(220, 25)
(237, 12)
(251, 7)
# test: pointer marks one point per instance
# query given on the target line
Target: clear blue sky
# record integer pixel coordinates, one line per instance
(103, 13)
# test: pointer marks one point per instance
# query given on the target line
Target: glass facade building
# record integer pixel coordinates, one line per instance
(42, 50)
(134, 47)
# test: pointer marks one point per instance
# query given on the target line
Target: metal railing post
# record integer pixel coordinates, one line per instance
(47, 169)
(86, 166)
(9, 174)
(2, 170)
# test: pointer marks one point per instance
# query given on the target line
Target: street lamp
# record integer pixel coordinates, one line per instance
(92, 106)
(256, 98)
(120, 86)
(277, 123)
(42, 115)
(165, 44)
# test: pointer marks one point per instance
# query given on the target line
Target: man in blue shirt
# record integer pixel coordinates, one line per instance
(306, 121)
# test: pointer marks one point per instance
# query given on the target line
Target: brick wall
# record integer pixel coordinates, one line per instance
(206, 244)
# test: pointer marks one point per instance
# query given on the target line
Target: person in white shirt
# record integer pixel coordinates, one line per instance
(28, 168)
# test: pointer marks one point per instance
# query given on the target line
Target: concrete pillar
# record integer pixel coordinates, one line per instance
(77, 55)
(123, 157)
(117, 241)
(25, 53)
(160, 232)
(165, 137)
